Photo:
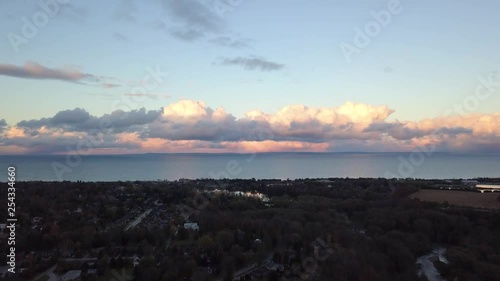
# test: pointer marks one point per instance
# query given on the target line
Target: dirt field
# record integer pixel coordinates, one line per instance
(460, 198)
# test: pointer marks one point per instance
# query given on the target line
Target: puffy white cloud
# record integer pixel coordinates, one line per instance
(192, 126)
(186, 109)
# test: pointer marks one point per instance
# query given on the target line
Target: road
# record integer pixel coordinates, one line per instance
(138, 219)
(249, 269)
(49, 272)
(79, 259)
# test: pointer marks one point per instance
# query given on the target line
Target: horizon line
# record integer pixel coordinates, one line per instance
(250, 153)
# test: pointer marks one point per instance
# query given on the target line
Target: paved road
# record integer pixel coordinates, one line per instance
(50, 273)
(80, 259)
(138, 219)
(249, 269)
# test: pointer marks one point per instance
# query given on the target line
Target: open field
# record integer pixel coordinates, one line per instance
(460, 198)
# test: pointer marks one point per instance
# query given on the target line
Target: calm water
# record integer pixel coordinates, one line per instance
(259, 166)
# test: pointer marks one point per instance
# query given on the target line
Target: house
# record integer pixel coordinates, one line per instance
(192, 226)
(256, 243)
(271, 266)
(46, 255)
(260, 274)
(470, 182)
(205, 270)
(136, 261)
(71, 275)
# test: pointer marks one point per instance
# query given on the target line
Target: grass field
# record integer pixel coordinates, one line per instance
(459, 198)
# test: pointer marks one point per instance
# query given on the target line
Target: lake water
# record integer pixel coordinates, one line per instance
(259, 166)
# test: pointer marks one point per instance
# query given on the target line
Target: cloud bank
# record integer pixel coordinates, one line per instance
(192, 126)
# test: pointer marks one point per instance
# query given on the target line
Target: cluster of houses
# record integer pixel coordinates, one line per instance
(74, 275)
(469, 185)
(482, 187)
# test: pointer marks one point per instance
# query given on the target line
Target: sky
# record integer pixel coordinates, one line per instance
(244, 76)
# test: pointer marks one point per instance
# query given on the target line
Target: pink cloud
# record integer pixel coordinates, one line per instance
(192, 126)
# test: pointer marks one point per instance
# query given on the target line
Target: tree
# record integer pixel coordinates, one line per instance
(206, 243)
(119, 262)
(273, 276)
(238, 254)
(261, 253)
(189, 268)
(150, 273)
(224, 239)
(182, 233)
(424, 226)
(228, 266)
(147, 249)
(84, 271)
(102, 265)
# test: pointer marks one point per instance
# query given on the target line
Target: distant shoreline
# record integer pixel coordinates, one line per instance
(257, 153)
(487, 180)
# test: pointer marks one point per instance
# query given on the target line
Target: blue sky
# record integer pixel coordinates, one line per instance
(259, 55)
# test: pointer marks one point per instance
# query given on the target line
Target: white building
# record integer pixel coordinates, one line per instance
(488, 187)
(192, 225)
(136, 261)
